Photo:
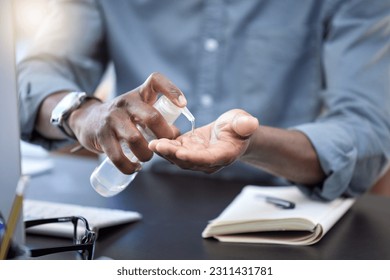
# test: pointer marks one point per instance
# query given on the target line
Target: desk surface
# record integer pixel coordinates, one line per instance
(176, 209)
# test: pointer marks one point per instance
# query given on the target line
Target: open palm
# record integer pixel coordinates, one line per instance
(211, 147)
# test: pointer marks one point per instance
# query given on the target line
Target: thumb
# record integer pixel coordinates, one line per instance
(244, 125)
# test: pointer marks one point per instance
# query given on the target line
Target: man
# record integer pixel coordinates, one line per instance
(313, 73)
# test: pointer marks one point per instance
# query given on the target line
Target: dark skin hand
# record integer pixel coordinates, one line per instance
(210, 147)
(236, 135)
(100, 127)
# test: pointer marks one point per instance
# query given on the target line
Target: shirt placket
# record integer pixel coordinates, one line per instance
(211, 40)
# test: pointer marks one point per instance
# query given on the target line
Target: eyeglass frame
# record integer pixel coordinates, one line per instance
(88, 239)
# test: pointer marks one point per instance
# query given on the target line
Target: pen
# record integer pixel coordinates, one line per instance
(282, 203)
(13, 217)
(2, 226)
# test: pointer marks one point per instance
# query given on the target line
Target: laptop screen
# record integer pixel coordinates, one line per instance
(10, 160)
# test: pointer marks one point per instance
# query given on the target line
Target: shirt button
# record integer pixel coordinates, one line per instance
(206, 100)
(211, 44)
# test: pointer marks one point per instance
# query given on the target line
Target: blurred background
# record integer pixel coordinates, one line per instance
(29, 15)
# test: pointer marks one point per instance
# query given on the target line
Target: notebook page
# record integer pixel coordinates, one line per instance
(251, 205)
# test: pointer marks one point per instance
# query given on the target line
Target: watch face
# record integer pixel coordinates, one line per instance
(66, 106)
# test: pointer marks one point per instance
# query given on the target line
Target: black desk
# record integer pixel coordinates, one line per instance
(176, 209)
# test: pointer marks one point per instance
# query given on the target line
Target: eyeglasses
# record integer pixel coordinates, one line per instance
(83, 237)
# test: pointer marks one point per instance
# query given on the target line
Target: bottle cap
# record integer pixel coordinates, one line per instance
(171, 111)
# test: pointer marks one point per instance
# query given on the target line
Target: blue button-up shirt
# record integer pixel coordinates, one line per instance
(321, 67)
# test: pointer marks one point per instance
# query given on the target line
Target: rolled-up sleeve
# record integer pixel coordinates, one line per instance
(352, 136)
(68, 53)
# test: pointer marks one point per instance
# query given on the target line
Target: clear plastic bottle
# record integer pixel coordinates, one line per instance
(106, 179)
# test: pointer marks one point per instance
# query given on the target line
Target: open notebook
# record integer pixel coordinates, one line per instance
(259, 215)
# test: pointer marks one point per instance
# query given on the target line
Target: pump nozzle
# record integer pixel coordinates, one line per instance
(187, 114)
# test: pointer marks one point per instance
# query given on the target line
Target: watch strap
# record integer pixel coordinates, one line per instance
(68, 104)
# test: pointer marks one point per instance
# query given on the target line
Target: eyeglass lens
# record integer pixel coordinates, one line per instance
(82, 235)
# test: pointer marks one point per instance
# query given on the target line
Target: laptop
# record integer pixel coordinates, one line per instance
(10, 159)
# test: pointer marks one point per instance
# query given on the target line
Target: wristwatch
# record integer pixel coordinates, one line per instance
(65, 107)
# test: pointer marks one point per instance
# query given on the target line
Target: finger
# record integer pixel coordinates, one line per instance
(112, 148)
(151, 121)
(125, 130)
(197, 155)
(157, 83)
(165, 147)
(152, 145)
(109, 135)
(210, 157)
(185, 158)
(244, 125)
(204, 161)
(135, 141)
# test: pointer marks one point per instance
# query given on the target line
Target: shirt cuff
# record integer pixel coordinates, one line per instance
(337, 155)
(32, 97)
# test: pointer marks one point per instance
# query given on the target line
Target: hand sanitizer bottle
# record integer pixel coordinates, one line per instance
(106, 179)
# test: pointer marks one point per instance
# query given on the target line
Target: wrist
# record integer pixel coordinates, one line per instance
(75, 121)
(253, 144)
(64, 108)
